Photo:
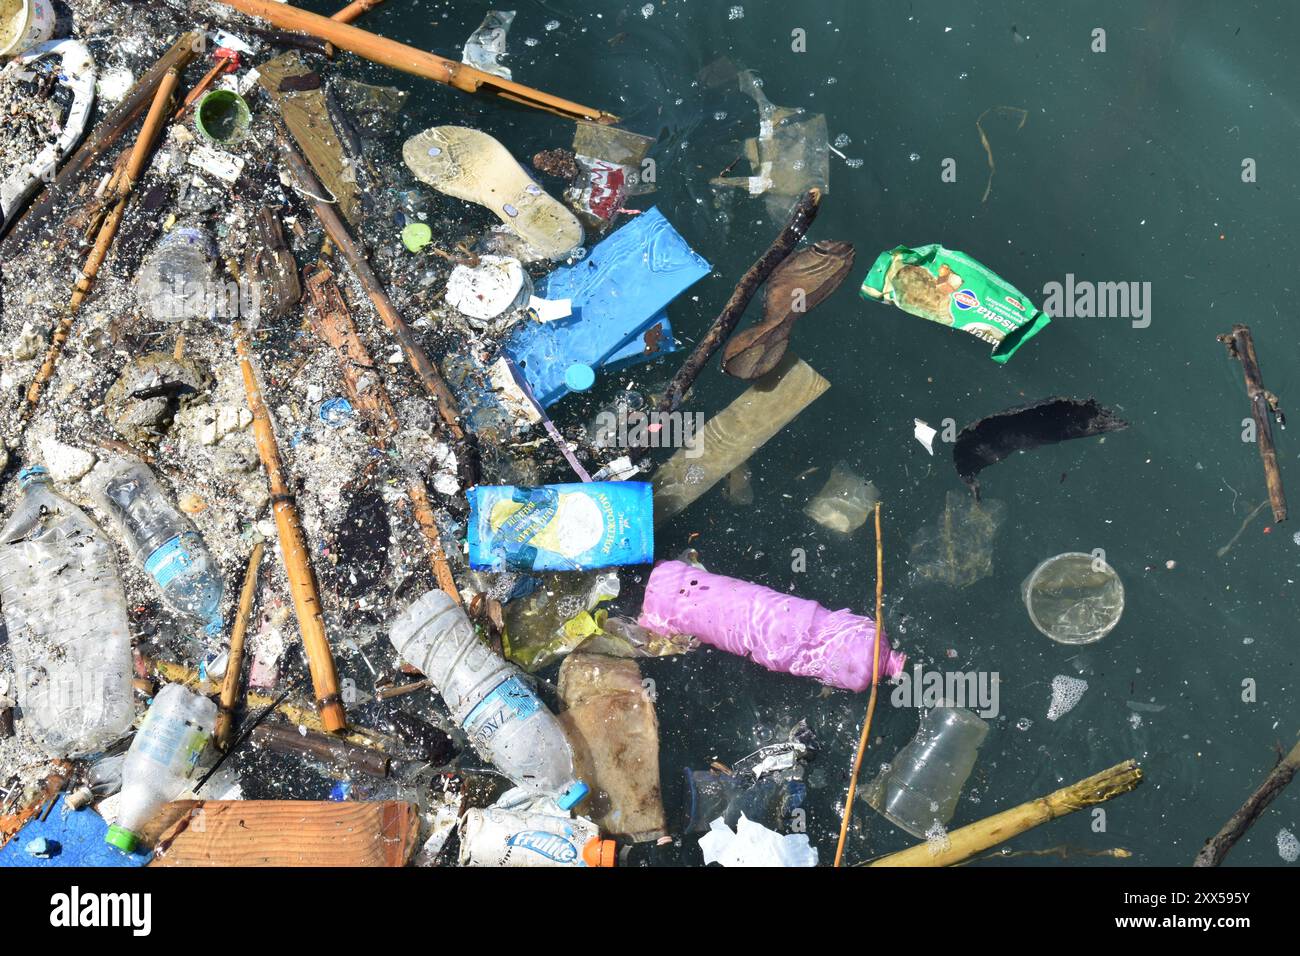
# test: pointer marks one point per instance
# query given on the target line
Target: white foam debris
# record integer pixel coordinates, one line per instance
(1288, 846)
(1066, 692)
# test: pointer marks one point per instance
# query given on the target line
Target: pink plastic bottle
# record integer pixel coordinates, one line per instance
(782, 632)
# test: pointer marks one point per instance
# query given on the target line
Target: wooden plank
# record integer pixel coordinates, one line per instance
(731, 436)
(288, 833)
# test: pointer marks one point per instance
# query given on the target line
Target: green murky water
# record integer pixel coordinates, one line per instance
(1128, 168)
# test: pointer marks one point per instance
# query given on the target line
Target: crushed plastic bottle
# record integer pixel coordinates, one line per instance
(66, 615)
(163, 540)
(177, 279)
(163, 755)
(488, 698)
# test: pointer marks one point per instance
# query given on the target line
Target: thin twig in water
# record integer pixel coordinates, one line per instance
(1249, 518)
(984, 140)
(875, 684)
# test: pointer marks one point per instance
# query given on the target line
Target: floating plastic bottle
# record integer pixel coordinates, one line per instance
(162, 758)
(66, 616)
(497, 837)
(176, 281)
(488, 697)
(164, 541)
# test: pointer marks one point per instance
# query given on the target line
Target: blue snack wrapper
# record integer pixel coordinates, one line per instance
(570, 527)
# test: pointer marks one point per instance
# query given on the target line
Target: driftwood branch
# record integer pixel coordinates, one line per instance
(1263, 408)
(801, 218)
(1217, 847)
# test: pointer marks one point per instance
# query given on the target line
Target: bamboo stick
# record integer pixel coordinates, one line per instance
(408, 59)
(1217, 847)
(429, 527)
(875, 686)
(354, 10)
(232, 683)
(966, 841)
(1263, 404)
(110, 129)
(293, 550)
(140, 153)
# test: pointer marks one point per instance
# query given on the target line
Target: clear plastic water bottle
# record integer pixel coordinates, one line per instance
(176, 280)
(66, 616)
(163, 540)
(488, 697)
(162, 758)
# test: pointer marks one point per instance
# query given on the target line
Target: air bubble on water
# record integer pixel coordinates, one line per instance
(736, 13)
(797, 165)
(1296, 537)
(842, 140)
(720, 115)
(936, 838)
(531, 41)
(1066, 692)
(569, 606)
(1288, 846)
(914, 157)
(831, 81)
(648, 10)
(962, 76)
(695, 474)
(552, 25)
(1135, 721)
(853, 163)
(1024, 723)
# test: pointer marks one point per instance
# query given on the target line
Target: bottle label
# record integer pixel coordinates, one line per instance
(552, 846)
(512, 699)
(171, 741)
(172, 559)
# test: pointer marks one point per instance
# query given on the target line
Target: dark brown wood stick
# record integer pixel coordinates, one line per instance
(805, 211)
(286, 739)
(1263, 406)
(1217, 847)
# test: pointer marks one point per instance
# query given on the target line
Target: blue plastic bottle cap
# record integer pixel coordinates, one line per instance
(579, 377)
(573, 795)
(32, 473)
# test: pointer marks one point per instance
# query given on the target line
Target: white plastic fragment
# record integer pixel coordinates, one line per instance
(753, 844)
(548, 310)
(216, 162)
(924, 434)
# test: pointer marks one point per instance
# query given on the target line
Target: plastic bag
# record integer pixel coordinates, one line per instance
(957, 549)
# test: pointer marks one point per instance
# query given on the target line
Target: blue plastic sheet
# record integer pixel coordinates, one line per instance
(74, 838)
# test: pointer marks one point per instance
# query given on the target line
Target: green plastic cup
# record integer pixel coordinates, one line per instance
(222, 117)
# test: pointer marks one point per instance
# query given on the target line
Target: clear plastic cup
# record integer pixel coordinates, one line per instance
(1074, 598)
(922, 784)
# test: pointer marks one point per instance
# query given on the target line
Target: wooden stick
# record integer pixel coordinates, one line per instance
(110, 129)
(293, 550)
(354, 10)
(408, 59)
(140, 153)
(285, 739)
(401, 690)
(965, 842)
(801, 217)
(1217, 847)
(338, 233)
(233, 681)
(333, 322)
(875, 686)
(1263, 406)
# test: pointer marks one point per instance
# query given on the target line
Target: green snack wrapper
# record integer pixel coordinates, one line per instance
(951, 288)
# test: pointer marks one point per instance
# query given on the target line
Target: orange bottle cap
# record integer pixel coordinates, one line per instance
(599, 852)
